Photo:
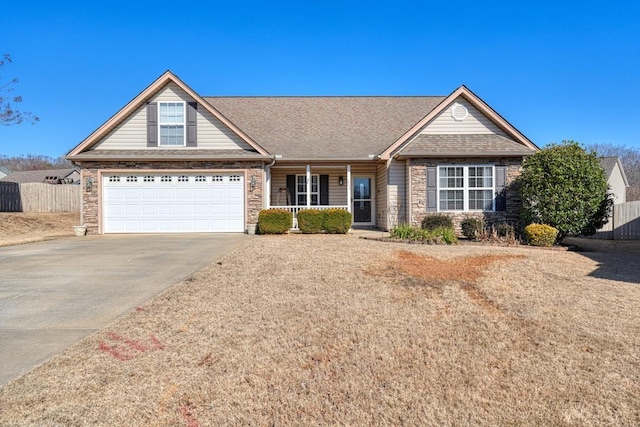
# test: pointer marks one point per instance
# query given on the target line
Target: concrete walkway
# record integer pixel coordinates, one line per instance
(52, 294)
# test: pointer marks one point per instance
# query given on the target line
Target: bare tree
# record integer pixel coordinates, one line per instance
(33, 162)
(9, 115)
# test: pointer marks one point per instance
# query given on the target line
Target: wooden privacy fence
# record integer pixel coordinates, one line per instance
(624, 223)
(39, 197)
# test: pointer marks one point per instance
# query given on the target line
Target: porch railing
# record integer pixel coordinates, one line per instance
(295, 209)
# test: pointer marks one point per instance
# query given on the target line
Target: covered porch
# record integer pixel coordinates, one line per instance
(294, 187)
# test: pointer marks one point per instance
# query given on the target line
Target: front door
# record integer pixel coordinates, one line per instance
(362, 206)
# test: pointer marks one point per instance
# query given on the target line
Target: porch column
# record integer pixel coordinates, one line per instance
(267, 188)
(349, 188)
(308, 186)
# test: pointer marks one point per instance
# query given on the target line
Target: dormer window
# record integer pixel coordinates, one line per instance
(171, 124)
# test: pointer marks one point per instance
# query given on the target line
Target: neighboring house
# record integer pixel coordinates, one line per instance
(49, 176)
(174, 161)
(3, 172)
(616, 178)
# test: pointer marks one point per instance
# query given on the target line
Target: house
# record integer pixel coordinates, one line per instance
(172, 160)
(616, 178)
(49, 176)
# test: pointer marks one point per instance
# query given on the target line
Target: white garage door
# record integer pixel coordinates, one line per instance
(167, 203)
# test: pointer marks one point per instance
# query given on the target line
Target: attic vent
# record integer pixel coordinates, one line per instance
(459, 112)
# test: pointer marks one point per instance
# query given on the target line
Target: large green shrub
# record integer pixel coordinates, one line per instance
(337, 221)
(433, 221)
(334, 221)
(310, 221)
(274, 221)
(565, 187)
(472, 227)
(540, 234)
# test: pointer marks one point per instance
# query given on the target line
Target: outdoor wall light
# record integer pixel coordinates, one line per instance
(341, 181)
(88, 185)
(253, 183)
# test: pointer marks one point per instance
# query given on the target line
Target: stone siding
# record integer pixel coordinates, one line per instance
(418, 189)
(90, 199)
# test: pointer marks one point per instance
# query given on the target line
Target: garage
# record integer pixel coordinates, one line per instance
(173, 203)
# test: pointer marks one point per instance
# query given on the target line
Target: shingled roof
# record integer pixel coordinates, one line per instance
(325, 127)
(52, 176)
(464, 145)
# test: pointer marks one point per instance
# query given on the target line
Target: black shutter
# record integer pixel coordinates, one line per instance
(152, 124)
(432, 188)
(324, 190)
(501, 192)
(192, 129)
(291, 190)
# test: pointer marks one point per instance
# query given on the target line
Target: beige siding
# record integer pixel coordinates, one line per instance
(131, 134)
(337, 192)
(381, 196)
(396, 195)
(474, 123)
(616, 182)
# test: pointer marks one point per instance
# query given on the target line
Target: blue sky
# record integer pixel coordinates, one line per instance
(555, 70)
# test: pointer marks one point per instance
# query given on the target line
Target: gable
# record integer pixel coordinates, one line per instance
(483, 125)
(131, 134)
(455, 120)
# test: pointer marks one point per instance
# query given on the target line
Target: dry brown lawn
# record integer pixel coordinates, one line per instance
(21, 227)
(335, 330)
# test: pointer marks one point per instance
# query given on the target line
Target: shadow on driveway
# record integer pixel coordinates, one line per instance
(617, 259)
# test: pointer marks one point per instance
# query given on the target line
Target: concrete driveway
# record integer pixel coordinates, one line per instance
(52, 294)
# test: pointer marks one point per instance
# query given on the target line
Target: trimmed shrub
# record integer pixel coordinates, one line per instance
(333, 221)
(337, 221)
(540, 234)
(472, 227)
(274, 221)
(310, 221)
(431, 222)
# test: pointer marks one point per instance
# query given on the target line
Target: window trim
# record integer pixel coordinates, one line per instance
(308, 193)
(183, 124)
(466, 188)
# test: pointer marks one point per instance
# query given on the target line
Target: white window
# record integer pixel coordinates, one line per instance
(148, 178)
(466, 188)
(217, 178)
(171, 123)
(201, 178)
(301, 190)
(132, 178)
(183, 178)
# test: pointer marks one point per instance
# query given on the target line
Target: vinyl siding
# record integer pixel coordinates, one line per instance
(475, 122)
(337, 192)
(396, 193)
(616, 182)
(131, 134)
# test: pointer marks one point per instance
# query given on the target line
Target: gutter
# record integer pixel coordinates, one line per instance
(75, 159)
(459, 154)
